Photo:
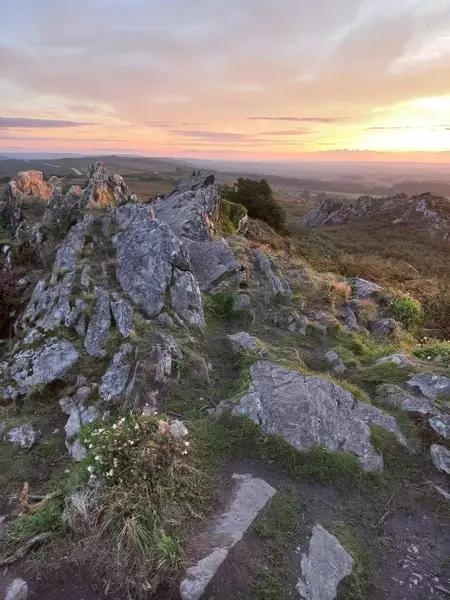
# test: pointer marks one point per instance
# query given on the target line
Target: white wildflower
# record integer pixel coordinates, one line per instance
(91, 468)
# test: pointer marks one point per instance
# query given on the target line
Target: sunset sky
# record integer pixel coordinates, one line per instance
(250, 79)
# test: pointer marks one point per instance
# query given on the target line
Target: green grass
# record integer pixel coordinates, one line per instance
(385, 373)
(279, 530)
(431, 351)
(362, 347)
(408, 311)
(46, 520)
(359, 584)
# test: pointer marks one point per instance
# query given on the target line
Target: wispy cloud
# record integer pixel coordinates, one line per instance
(26, 123)
(302, 131)
(300, 119)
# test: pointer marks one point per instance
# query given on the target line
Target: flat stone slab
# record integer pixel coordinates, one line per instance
(326, 565)
(250, 497)
(431, 385)
(441, 425)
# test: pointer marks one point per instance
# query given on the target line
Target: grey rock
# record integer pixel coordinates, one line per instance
(321, 212)
(441, 458)
(165, 320)
(76, 319)
(25, 436)
(363, 288)
(186, 298)
(178, 430)
(18, 590)
(249, 499)
(192, 208)
(242, 302)
(211, 262)
(44, 365)
(244, 342)
(385, 327)
(266, 270)
(396, 396)
(336, 362)
(307, 411)
(77, 450)
(99, 325)
(147, 252)
(441, 425)
(401, 360)
(123, 316)
(349, 318)
(431, 385)
(115, 380)
(374, 416)
(8, 392)
(324, 567)
(67, 256)
(167, 354)
(440, 490)
(63, 207)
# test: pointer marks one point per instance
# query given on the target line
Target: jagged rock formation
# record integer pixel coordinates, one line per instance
(311, 410)
(426, 209)
(191, 211)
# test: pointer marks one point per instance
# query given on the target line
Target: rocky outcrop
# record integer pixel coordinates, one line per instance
(167, 356)
(324, 567)
(364, 289)
(104, 190)
(192, 211)
(426, 210)
(307, 411)
(79, 415)
(99, 325)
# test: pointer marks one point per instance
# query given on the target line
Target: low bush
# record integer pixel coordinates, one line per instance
(431, 351)
(408, 311)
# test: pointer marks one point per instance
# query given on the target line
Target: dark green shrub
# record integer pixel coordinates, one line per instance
(408, 311)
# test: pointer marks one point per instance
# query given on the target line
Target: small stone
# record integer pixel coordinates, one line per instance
(18, 590)
(165, 320)
(25, 436)
(244, 342)
(441, 425)
(242, 302)
(441, 458)
(178, 430)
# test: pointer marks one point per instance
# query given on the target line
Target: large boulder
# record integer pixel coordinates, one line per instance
(363, 289)
(115, 380)
(398, 398)
(319, 215)
(307, 411)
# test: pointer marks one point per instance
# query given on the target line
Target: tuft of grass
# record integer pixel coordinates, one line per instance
(398, 465)
(363, 347)
(384, 373)
(46, 520)
(360, 583)
(169, 552)
(219, 309)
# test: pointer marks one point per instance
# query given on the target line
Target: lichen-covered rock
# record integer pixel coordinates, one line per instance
(441, 425)
(244, 342)
(385, 327)
(123, 316)
(167, 354)
(324, 567)
(348, 316)
(99, 325)
(25, 436)
(274, 284)
(431, 385)
(318, 216)
(46, 364)
(441, 458)
(187, 299)
(397, 397)
(104, 190)
(310, 410)
(364, 289)
(115, 380)
(400, 359)
(79, 415)
(147, 253)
